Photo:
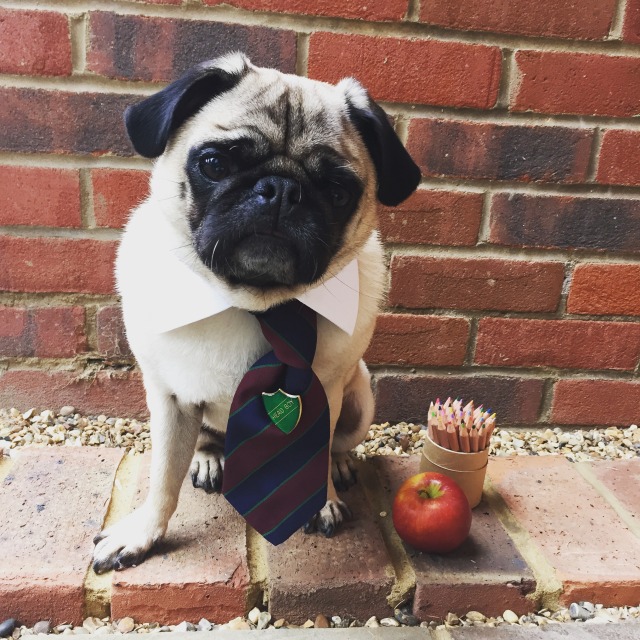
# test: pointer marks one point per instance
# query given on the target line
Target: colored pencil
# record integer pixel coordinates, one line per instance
(460, 427)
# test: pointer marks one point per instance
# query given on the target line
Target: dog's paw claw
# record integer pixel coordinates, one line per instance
(343, 471)
(126, 543)
(328, 519)
(206, 470)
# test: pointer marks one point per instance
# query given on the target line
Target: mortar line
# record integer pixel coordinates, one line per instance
(73, 161)
(97, 588)
(507, 315)
(302, 54)
(471, 343)
(86, 199)
(90, 327)
(548, 390)
(591, 191)
(504, 92)
(405, 577)
(544, 373)
(548, 585)
(617, 24)
(413, 11)
(566, 287)
(585, 469)
(504, 252)
(594, 156)
(402, 127)
(502, 116)
(47, 299)
(79, 83)
(485, 218)
(333, 24)
(78, 35)
(508, 253)
(99, 234)
(258, 568)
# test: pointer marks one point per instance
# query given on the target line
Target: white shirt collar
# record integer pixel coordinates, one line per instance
(192, 297)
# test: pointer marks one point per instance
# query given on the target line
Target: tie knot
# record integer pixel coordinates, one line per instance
(291, 330)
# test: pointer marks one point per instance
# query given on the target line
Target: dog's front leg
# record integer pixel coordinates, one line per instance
(335, 511)
(174, 430)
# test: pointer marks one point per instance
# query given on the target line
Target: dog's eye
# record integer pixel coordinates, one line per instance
(340, 197)
(215, 167)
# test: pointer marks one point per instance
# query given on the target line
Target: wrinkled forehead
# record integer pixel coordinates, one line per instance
(289, 114)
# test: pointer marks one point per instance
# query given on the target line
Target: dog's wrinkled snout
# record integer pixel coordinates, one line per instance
(277, 195)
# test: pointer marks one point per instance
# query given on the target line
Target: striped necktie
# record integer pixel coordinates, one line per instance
(277, 442)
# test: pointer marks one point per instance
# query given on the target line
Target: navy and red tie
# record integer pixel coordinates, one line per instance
(277, 441)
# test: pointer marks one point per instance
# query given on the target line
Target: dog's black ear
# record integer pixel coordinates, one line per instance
(151, 122)
(398, 175)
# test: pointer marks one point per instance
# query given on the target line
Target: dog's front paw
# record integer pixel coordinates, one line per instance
(329, 518)
(206, 470)
(343, 471)
(126, 543)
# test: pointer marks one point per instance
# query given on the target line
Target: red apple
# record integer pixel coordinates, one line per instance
(431, 513)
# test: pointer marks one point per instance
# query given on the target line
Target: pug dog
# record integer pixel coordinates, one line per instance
(264, 189)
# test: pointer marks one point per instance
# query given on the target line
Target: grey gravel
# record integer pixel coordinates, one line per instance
(44, 626)
(7, 627)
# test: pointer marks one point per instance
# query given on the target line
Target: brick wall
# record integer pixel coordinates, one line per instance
(514, 272)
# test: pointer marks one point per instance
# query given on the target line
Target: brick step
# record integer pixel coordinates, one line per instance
(547, 533)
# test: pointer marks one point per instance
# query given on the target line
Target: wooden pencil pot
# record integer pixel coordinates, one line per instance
(467, 469)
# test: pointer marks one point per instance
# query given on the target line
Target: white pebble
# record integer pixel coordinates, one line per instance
(389, 622)
(510, 616)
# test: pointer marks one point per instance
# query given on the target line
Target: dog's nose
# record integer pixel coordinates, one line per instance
(279, 192)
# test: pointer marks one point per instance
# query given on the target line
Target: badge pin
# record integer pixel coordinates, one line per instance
(283, 408)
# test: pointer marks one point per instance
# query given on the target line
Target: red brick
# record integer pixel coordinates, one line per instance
(348, 575)
(37, 196)
(55, 332)
(354, 9)
(481, 284)
(406, 398)
(550, 18)
(112, 339)
(425, 71)
(565, 222)
(184, 43)
(433, 217)
(622, 478)
(596, 402)
(418, 340)
(34, 43)
(605, 289)
(115, 193)
(487, 151)
(57, 499)
(64, 122)
(618, 163)
(114, 393)
(487, 573)
(200, 570)
(594, 554)
(57, 264)
(581, 83)
(568, 344)
(631, 25)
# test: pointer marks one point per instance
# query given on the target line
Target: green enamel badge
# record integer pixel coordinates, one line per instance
(283, 409)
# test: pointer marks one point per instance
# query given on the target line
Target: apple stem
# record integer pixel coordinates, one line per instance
(432, 490)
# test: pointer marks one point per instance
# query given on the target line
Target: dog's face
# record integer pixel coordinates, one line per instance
(278, 174)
